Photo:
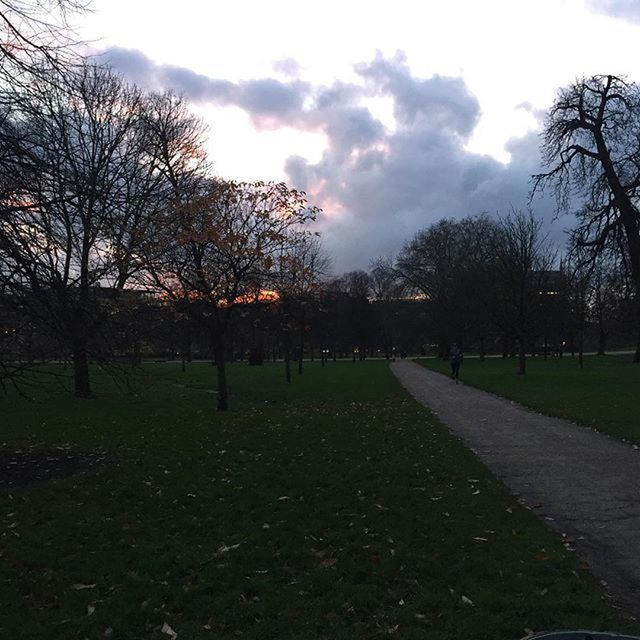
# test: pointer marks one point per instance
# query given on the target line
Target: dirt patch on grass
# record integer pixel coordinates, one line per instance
(22, 465)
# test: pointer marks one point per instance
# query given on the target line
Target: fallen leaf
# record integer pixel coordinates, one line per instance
(225, 549)
(328, 562)
(466, 601)
(79, 586)
(90, 610)
(168, 631)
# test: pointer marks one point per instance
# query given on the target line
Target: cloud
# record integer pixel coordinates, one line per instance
(269, 101)
(287, 67)
(442, 101)
(377, 183)
(383, 187)
(624, 9)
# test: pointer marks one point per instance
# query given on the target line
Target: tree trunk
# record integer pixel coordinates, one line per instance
(581, 349)
(522, 356)
(482, 348)
(301, 346)
(81, 370)
(135, 356)
(287, 356)
(636, 357)
(602, 334)
(256, 355)
(602, 342)
(522, 324)
(287, 366)
(223, 401)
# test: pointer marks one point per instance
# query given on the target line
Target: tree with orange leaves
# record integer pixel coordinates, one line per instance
(218, 251)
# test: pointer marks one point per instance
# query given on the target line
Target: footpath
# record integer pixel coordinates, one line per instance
(584, 483)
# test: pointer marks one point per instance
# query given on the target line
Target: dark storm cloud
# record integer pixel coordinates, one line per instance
(269, 96)
(261, 98)
(624, 9)
(130, 62)
(377, 185)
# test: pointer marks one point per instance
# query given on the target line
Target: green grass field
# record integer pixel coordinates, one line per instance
(334, 508)
(603, 395)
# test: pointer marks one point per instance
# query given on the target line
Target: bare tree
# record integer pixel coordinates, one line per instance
(523, 259)
(169, 168)
(445, 264)
(359, 317)
(591, 148)
(387, 287)
(580, 279)
(609, 290)
(386, 283)
(176, 140)
(66, 161)
(36, 39)
(300, 267)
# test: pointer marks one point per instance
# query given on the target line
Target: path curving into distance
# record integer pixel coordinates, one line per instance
(587, 482)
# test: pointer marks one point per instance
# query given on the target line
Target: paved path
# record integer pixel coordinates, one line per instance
(587, 482)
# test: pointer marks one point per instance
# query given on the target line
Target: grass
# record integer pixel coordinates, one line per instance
(602, 395)
(334, 508)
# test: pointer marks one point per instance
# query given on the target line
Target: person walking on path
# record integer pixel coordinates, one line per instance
(455, 358)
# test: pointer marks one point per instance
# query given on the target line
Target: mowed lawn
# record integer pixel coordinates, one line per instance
(604, 394)
(333, 508)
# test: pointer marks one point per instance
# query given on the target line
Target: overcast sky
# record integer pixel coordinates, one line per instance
(390, 114)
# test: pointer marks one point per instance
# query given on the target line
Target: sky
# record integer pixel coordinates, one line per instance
(390, 114)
